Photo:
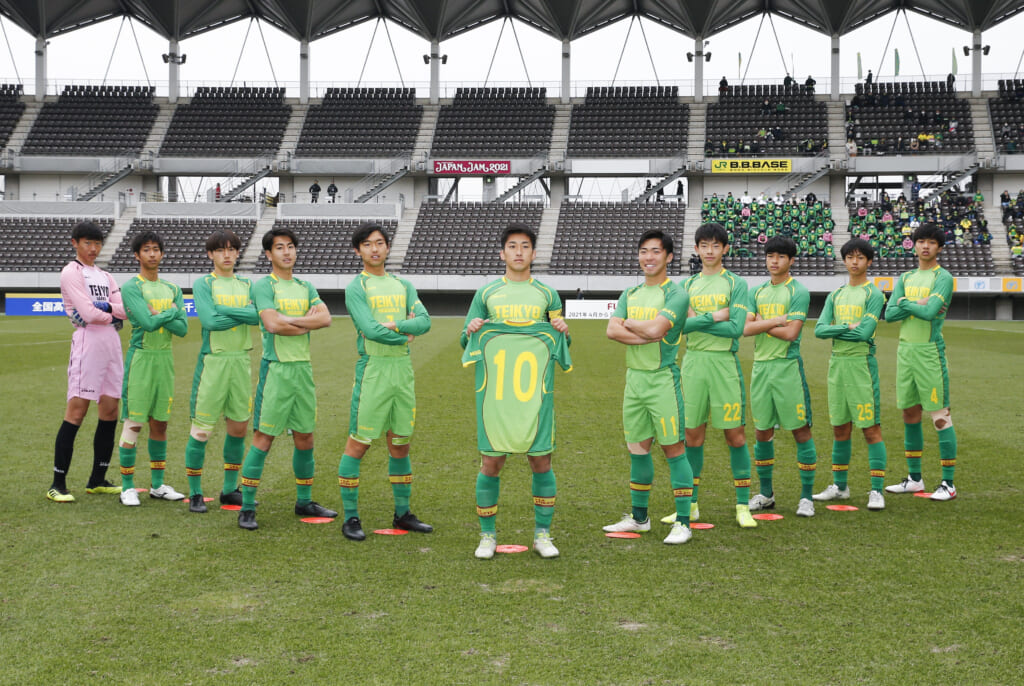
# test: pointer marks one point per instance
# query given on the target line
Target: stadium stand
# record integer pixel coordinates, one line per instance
(908, 118)
(228, 122)
(1013, 221)
(766, 120)
(601, 237)
(184, 241)
(1007, 113)
(514, 122)
(94, 120)
(40, 244)
(370, 122)
(325, 245)
(629, 121)
(462, 238)
(750, 222)
(11, 109)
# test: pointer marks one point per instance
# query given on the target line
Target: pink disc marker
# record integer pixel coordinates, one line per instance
(390, 532)
(842, 508)
(511, 548)
(622, 534)
(702, 525)
(768, 517)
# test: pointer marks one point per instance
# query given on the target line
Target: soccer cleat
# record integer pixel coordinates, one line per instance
(410, 522)
(543, 546)
(166, 492)
(694, 515)
(805, 508)
(627, 523)
(761, 502)
(743, 517)
(876, 501)
(485, 549)
(196, 503)
(103, 487)
(669, 518)
(352, 529)
(833, 493)
(130, 498)
(232, 498)
(908, 485)
(945, 491)
(247, 520)
(314, 509)
(59, 496)
(679, 534)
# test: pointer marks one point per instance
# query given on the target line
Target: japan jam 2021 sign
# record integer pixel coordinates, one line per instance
(752, 166)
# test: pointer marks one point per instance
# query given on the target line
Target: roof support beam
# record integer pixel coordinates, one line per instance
(173, 71)
(976, 64)
(304, 72)
(698, 69)
(566, 72)
(835, 68)
(40, 68)
(435, 72)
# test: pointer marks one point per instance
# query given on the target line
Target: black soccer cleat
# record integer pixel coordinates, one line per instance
(247, 520)
(352, 529)
(314, 509)
(196, 503)
(410, 522)
(233, 498)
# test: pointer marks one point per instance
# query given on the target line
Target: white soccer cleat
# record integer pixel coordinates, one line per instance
(165, 492)
(805, 508)
(543, 545)
(876, 501)
(833, 493)
(679, 534)
(908, 485)
(761, 502)
(694, 515)
(627, 523)
(485, 549)
(129, 498)
(945, 491)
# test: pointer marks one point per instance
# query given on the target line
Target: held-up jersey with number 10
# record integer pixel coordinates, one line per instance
(515, 385)
(515, 301)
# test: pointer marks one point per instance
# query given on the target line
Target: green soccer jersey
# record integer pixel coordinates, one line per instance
(226, 311)
(515, 384)
(774, 300)
(153, 331)
(707, 295)
(921, 323)
(848, 305)
(515, 301)
(645, 303)
(371, 300)
(292, 298)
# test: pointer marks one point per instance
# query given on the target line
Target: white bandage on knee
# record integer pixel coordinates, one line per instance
(130, 432)
(199, 433)
(400, 440)
(942, 416)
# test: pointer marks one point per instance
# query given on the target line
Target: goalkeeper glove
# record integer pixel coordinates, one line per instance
(102, 305)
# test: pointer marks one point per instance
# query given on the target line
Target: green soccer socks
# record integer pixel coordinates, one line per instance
(487, 490)
(641, 476)
(348, 483)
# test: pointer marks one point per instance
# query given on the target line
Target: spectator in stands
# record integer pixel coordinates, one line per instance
(647, 189)
(788, 81)
(746, 200)
(809, 84)
(723, 86)
(869, 79)
(780, 107)
(695, 264)
(660, 194)
(579, 294)
(332, 191)
(950, 80)
(314, 191)
(811, 198)
(1004, 200)
(679, 191)
(766, 106)
(851, 147)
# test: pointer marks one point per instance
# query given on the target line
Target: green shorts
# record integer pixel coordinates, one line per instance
(221, 387)
(713, 384)
(148, 387)
(383, 398)
(652, 405)
(922, 377)
(853, 394)
(285, 398)
(779, 395)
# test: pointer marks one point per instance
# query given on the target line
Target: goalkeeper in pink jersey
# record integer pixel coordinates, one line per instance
(92, 300)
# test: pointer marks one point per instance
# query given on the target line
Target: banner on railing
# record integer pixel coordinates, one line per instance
(473, 167)
(51, 304)
(752, 166)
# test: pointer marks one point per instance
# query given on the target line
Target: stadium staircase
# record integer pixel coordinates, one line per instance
(290, 138)
(379, 182)
(653, 190)
(425, 137)
(546, 238)
(837, 133)
(984, 137)
(24, 125)
(160, 125)
(247, 183)
(116, 235)
(400, 241)
(524, 181)
(691, 222)
(697, 136)
(103, 180)
(797, 182)
(559, 136)
(251, 253)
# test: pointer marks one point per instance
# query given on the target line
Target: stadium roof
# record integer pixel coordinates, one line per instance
(442, 19)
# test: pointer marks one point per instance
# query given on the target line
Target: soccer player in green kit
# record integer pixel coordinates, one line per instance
(388, 315)
(222, 383)
(712, 376)
(649, 319)
(156, 310)
(289, 309)
(778, 387)
(517, 299)
(920, 300)
(849, 318)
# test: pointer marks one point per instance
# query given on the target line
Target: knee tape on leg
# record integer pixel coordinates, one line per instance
(942, 416)
(400, 440)
(200, 433)
(130, 432)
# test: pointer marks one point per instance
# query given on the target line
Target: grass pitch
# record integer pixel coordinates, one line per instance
(920, 593)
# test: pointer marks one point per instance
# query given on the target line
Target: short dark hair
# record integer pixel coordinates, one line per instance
(223, 238)
(929, 230)
(86, 231)
(858, 245)
(781, 245)
(712, 231)
(147, 237)
(666, 241)
(363, 232)
(269, 236)
(518, 227)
